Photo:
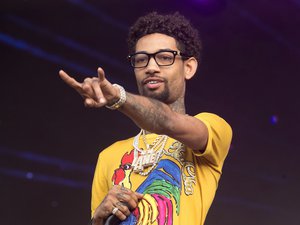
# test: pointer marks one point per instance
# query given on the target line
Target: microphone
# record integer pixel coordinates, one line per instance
(112, 220)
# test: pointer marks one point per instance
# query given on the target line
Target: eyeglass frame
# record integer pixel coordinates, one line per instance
(152, 55)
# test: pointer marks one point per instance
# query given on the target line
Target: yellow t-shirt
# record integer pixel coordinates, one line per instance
(180, 189)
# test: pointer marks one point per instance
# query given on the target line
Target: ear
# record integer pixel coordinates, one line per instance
(190, 67)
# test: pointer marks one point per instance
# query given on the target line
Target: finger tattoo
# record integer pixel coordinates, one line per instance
(121, 196)
(124, 189)
(122, 204)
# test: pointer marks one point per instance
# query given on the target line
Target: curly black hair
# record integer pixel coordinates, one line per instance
(174, 25)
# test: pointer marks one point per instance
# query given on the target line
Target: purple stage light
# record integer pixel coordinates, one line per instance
(207, 6)
(29, 175)
(274, 119)
(205, 2)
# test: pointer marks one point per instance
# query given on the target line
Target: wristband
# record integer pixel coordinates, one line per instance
(121, 101)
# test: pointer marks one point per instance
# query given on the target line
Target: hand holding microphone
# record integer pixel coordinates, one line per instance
(116, 206)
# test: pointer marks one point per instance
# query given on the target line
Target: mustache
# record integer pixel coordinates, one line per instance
(151, 77)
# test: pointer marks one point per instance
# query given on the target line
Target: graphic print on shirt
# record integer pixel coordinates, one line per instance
(122, 174)
(177, 151)
(161, 189)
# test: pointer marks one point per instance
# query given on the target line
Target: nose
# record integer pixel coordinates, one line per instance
(152, 66)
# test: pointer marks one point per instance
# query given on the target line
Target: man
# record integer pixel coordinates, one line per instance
(169, 172)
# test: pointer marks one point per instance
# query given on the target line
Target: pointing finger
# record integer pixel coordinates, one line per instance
(101, 74)
(69, 80)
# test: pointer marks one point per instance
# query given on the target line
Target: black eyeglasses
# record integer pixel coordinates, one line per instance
(162, 58)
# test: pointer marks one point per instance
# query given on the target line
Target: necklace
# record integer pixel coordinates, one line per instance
(147, 159)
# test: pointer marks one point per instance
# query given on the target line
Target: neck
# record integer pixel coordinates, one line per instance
(178, 106)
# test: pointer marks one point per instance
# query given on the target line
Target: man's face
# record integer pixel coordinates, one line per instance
(164, 83)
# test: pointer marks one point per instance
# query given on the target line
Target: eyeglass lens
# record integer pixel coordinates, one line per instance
(163, 58)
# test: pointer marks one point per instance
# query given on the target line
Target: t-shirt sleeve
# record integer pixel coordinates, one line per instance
(219, 139)
(100, 185)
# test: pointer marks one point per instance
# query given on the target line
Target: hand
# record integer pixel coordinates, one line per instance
(96, 91)
(125, 200)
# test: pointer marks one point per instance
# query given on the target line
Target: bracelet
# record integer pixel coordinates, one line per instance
(122, 99)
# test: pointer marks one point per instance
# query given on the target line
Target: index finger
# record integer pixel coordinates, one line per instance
(69, 80)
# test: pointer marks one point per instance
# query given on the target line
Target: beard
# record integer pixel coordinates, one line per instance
(162, 96)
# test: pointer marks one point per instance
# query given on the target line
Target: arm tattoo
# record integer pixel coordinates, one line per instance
(151, 113)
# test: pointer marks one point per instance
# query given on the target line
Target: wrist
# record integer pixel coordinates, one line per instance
(122, 99)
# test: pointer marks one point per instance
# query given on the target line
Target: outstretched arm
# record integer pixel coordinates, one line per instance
(149, 114)
(157, 117)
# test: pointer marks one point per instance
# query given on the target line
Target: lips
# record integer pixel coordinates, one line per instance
(153, 82)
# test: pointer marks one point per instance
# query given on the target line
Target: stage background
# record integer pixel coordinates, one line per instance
(49, 142)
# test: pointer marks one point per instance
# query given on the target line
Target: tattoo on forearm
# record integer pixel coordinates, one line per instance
(152, 112)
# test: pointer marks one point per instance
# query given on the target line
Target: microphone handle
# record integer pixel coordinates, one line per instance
(112, 220)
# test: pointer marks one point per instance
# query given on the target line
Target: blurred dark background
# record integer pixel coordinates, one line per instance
(49, 142)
